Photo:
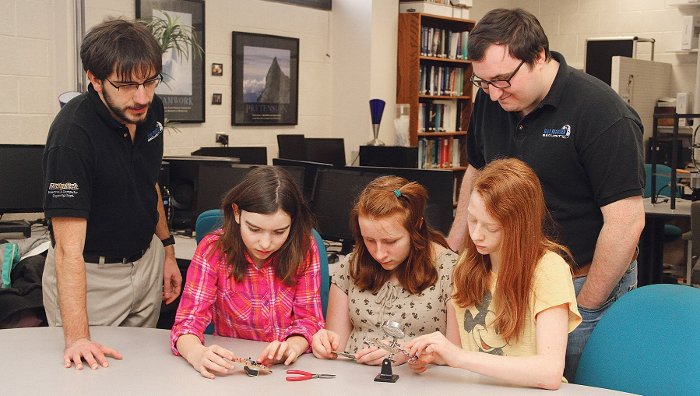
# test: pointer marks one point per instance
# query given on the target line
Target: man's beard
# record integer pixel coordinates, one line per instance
(121, 112)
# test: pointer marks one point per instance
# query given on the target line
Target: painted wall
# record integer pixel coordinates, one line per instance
(340, 48)
(347, 56)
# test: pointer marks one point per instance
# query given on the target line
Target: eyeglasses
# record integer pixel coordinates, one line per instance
(501, 84)
(131, 87)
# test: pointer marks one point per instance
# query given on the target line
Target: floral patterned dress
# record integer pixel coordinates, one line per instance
(421, 313)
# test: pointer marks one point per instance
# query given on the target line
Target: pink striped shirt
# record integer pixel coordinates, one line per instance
(260, 307)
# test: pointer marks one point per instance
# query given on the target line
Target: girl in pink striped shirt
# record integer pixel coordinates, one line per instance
(257, 278)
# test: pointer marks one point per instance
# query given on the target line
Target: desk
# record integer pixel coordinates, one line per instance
(651, 247)
(32, 365)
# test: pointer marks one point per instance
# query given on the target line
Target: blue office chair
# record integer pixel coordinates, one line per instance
(663, 187)
(213, 219)
(646, 343)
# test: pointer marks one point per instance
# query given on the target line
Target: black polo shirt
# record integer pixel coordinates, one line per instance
(92, 170)
(583, 141)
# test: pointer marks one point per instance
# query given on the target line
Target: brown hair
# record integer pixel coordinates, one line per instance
(265, 190)
(517, 29)
(388, 196)
(513, 196)
(124, 47)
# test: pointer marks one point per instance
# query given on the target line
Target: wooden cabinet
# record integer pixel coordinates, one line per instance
(434, 79)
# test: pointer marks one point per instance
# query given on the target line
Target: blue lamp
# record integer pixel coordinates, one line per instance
(376, 108)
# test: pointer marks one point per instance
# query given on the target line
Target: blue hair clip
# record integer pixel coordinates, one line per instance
(397, 193)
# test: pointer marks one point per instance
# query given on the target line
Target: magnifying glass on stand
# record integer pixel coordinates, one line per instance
(393, 330)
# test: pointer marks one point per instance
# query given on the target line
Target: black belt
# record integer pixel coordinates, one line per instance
(95, 258)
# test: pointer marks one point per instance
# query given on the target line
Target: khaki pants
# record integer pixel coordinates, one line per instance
(117, 294)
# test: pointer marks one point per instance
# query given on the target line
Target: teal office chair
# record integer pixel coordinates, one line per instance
(212, 219)
(663, 188)
(646, 343)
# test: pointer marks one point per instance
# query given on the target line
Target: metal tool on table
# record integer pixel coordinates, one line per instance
(344, 354)
(250, 366)
(301, 375)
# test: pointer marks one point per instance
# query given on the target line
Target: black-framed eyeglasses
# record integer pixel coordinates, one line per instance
(501, 84)
(131, 87)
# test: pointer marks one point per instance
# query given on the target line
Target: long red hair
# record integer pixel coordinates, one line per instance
(513, 197)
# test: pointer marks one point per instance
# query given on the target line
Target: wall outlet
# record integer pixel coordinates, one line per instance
(222, 138)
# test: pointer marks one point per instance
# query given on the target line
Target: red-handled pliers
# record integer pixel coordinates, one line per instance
(300, 375)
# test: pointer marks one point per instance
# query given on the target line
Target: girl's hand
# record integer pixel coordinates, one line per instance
(374, 356)
(211, 361)
(433, 348)
(288, 351)
(420, 364)
(324, 343)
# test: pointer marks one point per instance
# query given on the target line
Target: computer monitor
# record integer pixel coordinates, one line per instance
(326, 150)
(21, 178)
(246, 155)
(214, 182)
(439, 212)
(22, 181)
(183, 185)
(334, 195)
(291, 147)
(310, 170)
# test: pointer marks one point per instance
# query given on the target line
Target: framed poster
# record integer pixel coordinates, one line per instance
(265, 79)
(182, 90)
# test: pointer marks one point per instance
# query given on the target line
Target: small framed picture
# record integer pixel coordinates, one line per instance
(217, 69)
(216, 99)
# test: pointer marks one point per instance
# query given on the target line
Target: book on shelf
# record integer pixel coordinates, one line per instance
(443, 43)
(448, 115)
(441, 80)
(456, 152)
(440, 153)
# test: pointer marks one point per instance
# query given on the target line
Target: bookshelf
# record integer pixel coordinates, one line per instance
(434, 79)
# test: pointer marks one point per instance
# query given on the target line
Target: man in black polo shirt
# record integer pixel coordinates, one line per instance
(108, 265)
(582, 140)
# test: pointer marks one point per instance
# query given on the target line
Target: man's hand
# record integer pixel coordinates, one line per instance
(94, 354)
(172, 279)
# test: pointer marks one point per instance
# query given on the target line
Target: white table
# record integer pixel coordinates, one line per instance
(31, 363)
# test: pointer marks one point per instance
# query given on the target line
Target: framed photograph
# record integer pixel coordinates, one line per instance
(182, 90)
(265, 79)
(217, 69)
(216, 99)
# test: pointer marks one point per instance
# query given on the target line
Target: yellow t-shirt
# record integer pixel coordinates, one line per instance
(552, 286)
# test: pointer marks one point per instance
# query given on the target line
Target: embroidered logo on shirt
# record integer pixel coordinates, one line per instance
(563, 132)
(155, 132)
(63, 190)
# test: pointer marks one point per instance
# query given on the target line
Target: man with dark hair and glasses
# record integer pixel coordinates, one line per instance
(112, 259)
(583, 141)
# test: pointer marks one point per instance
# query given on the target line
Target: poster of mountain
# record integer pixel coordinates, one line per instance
(265, 79)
